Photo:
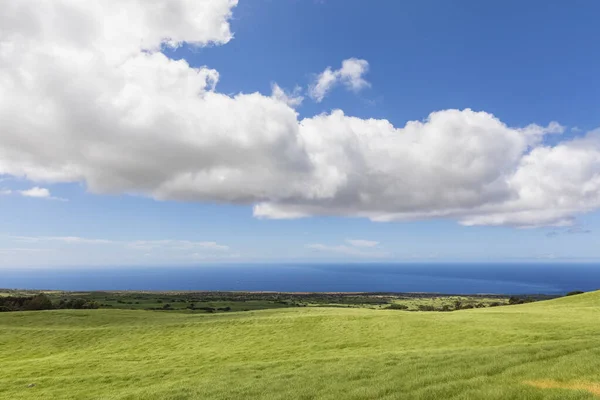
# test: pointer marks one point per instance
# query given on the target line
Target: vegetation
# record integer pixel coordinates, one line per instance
(218, 302)
(42, 301)
(542, 350)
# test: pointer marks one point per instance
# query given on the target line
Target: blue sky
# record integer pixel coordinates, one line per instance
(522, 62)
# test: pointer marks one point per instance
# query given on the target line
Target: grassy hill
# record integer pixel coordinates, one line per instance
(543, 350)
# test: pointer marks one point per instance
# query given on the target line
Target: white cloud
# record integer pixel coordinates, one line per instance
(350, 75)
(86, 96)
(348, 250)
(362, 243)
(5, 192)
(64, 239)
(167, 244)
(21, 250)
(176, 245)
(36, 192)
(293, 99)
(40, 193)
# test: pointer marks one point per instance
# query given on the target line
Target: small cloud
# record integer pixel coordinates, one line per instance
(347, 250)
(578, 229)
(574, 230)
(205, 256)
(39, 193)
(293, 99)
(22, 250)
(36, 192)
(5, 192)
(362, 243)
(576, 129)
(176, 245)
(350, 75)
(64, 239)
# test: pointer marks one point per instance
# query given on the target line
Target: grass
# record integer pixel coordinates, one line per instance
(542, 350)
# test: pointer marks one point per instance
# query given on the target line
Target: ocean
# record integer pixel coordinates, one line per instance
(470, 278)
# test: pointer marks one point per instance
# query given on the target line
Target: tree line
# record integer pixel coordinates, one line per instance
(42, 302)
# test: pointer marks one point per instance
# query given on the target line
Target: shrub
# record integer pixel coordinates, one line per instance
(574, 292)
(39, 302)
(395, 306)
(457, 304)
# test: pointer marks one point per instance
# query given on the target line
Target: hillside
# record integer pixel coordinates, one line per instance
(543, 350)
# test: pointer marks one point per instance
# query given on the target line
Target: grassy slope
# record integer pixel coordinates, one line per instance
(303, 353)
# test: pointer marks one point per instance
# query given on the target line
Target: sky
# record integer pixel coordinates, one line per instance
(187, 132)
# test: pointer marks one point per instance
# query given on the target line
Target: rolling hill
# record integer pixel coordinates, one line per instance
(543, 350)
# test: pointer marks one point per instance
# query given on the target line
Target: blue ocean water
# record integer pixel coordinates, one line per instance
(512, 278)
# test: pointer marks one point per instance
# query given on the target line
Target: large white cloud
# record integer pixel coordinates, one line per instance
(87, 96)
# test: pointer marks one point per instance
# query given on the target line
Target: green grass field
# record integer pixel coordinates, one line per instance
(543, 350)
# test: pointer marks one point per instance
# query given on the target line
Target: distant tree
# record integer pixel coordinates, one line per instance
(39, 302)
(458, 304)
(395, 306)
(574, 292)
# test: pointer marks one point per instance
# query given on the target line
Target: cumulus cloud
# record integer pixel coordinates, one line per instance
(350, 75)
(86, 95)
(293, 99)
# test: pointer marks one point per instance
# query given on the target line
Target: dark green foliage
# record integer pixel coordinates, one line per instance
(458, 305)
(573, 293)
(220, 302)
(77, 304)
(519, 300)
(395, 306)
(33, 303)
